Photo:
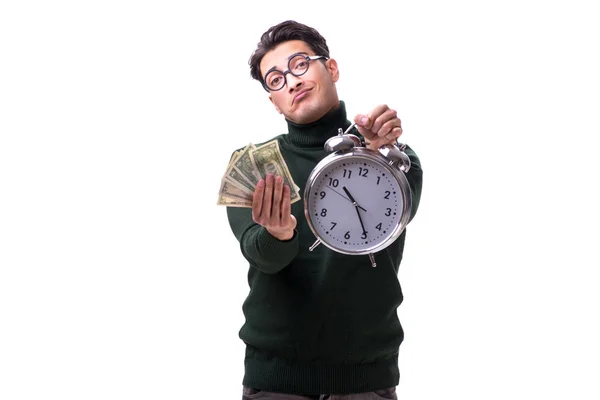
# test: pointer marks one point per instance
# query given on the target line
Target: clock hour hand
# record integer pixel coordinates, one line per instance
(350, 196)
(338, 193)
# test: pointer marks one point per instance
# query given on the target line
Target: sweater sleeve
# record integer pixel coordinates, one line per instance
(262, 250)
(415, 180)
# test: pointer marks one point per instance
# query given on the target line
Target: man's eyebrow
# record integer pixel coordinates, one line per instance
(289, 58)
(295, 54)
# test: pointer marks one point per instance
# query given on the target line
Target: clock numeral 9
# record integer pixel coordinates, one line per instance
(322, 194)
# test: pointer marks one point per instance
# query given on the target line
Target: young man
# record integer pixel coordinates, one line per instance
(318, 323)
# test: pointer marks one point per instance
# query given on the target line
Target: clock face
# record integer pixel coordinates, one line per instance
(355, 205)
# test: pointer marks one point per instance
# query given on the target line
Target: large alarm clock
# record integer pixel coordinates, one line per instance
(357, 200)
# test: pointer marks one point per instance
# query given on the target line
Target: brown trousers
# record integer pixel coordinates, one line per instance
(385, 394)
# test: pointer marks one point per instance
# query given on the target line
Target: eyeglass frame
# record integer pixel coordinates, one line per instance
(289, 71)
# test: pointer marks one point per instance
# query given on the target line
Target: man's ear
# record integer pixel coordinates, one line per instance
(332, 68)
(272, 102)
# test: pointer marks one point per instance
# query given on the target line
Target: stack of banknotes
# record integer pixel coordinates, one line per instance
(246, 167)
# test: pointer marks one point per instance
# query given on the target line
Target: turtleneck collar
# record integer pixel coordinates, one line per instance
(316, 133)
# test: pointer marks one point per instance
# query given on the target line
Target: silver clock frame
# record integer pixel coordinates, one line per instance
(346, 147)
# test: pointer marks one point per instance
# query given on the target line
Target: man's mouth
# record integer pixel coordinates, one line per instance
(300, 95)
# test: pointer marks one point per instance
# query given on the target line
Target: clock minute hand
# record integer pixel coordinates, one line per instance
(356, 207)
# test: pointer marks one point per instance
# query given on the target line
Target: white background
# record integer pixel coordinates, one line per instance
(120, 278)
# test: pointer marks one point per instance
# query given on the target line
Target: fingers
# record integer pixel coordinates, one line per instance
(382, 122)
(378, 112)
(390, 130)
(286, 207)
(267, 198)
(257, 200)
(276, 207)
(271, 204)
(394, 134)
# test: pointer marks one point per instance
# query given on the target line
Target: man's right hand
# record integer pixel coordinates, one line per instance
(271, 207)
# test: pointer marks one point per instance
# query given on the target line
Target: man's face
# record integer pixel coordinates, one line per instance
(304, 99)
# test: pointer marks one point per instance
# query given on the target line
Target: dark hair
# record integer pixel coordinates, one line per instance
(283, 32)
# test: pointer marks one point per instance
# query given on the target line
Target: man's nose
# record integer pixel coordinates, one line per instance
(293, 82)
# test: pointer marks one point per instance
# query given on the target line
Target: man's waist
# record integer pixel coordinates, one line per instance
(274, 373)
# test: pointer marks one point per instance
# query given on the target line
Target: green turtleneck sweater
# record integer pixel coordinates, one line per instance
(319, 322)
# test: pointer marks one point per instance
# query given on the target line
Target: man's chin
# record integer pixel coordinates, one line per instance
(305, 115)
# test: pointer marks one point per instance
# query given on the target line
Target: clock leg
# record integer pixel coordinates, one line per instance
(315, 244)
(373, 263)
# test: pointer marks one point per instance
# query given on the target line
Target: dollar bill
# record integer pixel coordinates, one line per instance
(229, 190)
(236, 178)
(243, 163)
(267, 159)
(246, 167)
(229, 202)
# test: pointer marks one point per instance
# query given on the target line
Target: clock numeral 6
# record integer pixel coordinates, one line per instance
(347, 235)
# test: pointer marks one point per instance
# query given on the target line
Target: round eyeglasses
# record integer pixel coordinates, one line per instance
(297, 65)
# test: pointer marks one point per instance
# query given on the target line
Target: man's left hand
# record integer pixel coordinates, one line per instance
(379, 127)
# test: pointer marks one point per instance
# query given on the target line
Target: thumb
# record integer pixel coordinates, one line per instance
(364, 125)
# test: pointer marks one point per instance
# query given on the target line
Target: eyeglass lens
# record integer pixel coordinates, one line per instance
(297, 66)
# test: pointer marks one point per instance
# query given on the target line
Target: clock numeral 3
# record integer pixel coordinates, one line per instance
(388, 212)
